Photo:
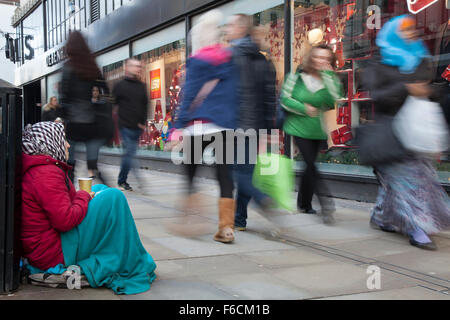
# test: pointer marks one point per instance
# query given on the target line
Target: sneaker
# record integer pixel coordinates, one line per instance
(240, 228)
(125, 187)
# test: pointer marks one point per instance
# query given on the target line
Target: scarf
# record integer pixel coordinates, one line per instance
(45, 138)
(397, 52)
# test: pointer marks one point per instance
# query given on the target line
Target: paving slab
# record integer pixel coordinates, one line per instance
(31, 292)
(332, 278)
(258, 286)
(205, 246)
(186, 289)
(341, 232)
(434, 263)
(411, 293)
(206, 266)
(286, 258)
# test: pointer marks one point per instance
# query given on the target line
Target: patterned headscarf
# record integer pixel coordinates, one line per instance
(45, 138)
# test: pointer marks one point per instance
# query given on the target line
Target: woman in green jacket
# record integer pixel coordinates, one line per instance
(304, 97)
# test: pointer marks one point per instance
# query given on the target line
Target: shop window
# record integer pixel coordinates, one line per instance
(344, 28)
(109, 6)
(33, 29)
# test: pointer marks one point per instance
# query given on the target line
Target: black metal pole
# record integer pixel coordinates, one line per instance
(287, 59)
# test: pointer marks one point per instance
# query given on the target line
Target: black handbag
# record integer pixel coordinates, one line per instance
(378, 143)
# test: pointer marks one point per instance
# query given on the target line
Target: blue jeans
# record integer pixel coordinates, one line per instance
(130, 139)
(245, 190)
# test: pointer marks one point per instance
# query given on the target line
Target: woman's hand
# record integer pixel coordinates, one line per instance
(312, 111)
(92, 194)
(419, 89)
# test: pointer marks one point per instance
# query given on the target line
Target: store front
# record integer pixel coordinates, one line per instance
(281, 29)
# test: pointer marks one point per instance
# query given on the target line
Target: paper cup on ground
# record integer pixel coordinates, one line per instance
(85, 184)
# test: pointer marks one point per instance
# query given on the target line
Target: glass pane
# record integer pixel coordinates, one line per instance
(117, 4)
(83, 18)
(34, 33)
(77, 21)
(102, 4)
(163, 75)
(109, 6)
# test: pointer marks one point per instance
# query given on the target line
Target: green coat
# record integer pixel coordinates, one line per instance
(295, 94)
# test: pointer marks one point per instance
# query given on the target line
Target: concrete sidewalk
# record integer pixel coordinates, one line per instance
(309, 260)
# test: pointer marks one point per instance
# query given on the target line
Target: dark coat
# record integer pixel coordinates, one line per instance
(52, 114)
(256, 89)
(387, 85)
(75, 99)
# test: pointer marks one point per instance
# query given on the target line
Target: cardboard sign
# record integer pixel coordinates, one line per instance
(415, 6)
(155, 84)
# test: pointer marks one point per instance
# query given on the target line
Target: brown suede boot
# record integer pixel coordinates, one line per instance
(226, 220)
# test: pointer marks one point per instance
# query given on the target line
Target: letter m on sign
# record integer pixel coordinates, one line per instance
(415, 6)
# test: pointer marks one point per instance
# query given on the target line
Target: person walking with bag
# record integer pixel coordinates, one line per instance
(304, 96)
(130, 95)
(208, 112)
(410, 200)
(256, 110)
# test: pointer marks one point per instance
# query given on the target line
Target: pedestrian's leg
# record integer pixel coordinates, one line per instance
(307, 183)
(226, 202)
(92, 150)
(127, 156)
(240, 218)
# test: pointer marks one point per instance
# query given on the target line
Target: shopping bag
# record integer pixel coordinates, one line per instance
(421, 127)
(377, 143)
(274, 175)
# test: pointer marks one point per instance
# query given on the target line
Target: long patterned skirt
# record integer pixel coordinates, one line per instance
(410, 198)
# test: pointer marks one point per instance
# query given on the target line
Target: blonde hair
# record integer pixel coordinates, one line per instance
(47, 106)
(207, 31)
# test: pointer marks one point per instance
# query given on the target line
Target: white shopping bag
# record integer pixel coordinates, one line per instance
(421, 127)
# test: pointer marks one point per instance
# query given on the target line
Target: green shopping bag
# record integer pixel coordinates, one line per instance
(274, 175)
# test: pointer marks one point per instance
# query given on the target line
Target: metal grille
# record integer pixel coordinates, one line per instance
(95, 10)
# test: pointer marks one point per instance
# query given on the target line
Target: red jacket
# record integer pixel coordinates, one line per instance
(48, 208)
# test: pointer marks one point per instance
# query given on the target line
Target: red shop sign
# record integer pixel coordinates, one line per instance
(415, 6)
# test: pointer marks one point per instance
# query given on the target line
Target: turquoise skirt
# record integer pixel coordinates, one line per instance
(107, 247)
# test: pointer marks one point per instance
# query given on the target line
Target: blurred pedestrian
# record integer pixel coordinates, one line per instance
(410, 199)
(52, 111)
(80, 74)
(208, 112)
(104, 130)
(305, 95)
(130, 95)
(256, 110)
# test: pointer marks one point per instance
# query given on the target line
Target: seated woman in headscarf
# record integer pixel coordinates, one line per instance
(64, 227)
(411, 200)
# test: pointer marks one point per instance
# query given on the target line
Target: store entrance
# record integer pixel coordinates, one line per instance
(32, 102)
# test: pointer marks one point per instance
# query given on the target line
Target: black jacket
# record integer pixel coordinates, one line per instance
(103, 119)
(51, 114)
(256, 89)
(387, 85)
(131, 96)
(75, 99)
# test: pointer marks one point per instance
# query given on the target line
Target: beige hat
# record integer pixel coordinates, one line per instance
(315, 37)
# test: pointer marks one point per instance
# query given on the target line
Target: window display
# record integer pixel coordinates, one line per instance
(345, 28)
(163, 73)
